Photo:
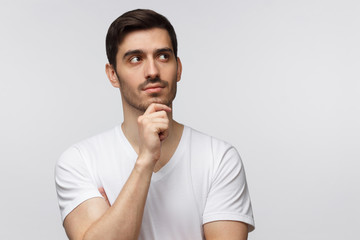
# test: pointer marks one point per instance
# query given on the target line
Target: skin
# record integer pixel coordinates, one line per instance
(146, 74)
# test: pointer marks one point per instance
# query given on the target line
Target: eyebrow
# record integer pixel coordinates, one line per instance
(160, 50)
(133, 52)
(140, 52)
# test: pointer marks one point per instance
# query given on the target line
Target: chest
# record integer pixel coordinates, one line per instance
(172, 208)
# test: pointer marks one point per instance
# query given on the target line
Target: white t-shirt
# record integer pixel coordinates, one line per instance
(204, 181)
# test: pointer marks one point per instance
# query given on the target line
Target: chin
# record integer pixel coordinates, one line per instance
(166, 102)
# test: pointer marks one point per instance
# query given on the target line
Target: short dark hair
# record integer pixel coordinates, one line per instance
(139, 19)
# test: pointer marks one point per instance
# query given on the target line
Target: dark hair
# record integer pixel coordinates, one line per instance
(139, 19)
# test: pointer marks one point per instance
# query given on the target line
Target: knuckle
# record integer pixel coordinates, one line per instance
(143, 120)
(140, 119)
(163, 114)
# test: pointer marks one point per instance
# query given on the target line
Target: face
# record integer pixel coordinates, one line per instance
(147, 70)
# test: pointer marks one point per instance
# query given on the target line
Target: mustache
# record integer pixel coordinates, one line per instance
(152, 81)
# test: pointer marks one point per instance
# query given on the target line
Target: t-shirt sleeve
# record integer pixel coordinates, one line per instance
(228, 197)
(73, 181)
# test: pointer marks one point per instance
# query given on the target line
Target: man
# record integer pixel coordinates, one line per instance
(151, 177)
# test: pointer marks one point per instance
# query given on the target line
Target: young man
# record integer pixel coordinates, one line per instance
(151, 177)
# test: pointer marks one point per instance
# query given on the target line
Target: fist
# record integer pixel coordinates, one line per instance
(153, 128)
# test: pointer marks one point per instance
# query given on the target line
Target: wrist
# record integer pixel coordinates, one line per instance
(144, 165)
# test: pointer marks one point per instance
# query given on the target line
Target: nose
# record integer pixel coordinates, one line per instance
(151, 69)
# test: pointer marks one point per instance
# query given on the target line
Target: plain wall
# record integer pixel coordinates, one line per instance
(277, 79)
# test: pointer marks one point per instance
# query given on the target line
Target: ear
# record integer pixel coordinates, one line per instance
(179, 70)
(111, 74)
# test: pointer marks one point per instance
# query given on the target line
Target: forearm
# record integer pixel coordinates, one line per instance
(94, 219)
(123, 219)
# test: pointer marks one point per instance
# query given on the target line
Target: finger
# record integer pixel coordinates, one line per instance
(155, 115)
(162, 130)
(163, 135)
(149, 121)
(155, 107)
(153, 118)
(161, 127)
(160, 120)
(103, 193)
(157, 127)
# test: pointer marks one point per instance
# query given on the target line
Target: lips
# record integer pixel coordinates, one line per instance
(152, 88)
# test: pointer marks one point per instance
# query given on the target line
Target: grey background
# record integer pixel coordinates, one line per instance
(277, 79)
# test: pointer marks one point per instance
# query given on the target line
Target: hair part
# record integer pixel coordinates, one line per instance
(139, 19)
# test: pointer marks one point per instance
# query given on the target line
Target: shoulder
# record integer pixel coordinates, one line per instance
(212, 152)
(99, 140)
(203, 140)
(206, 137)
(90, 147)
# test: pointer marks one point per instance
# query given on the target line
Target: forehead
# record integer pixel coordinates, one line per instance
(145, 40)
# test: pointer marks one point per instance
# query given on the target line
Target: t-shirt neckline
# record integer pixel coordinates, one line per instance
(168, 167)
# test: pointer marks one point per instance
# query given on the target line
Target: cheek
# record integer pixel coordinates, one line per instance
(130, 78)
(169, 72)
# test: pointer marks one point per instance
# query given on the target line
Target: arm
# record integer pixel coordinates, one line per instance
(217, 229)
(230, 230)
(94, 219)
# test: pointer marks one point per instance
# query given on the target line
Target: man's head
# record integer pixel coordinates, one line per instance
(139, 19)
(142, 51)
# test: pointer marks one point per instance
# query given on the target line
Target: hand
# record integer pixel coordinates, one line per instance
(153, 128)
(103, 193)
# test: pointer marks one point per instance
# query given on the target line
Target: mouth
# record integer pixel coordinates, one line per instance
(153, 88)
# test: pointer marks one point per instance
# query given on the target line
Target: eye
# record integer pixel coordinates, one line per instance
(135, 59)
(164, 57)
